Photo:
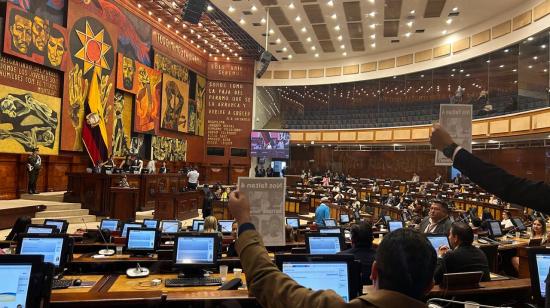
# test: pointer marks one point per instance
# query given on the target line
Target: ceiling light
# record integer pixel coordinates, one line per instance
(506, 50)
(373, 45)
(344, 54)
(371, 1)
(408, 34)
(412, 12)
(298, 18)
(290, 56)
(313, 48)
(316, 55)
(333, 16)
(242, 21)
(514, 70)
(330, 3)
(240, 58)
(488, 61)
(278, 41)
(304, 29)
(308, 39)
(530, 66)
(410, 24)
(535, 58)
(337, 28)
(543, 46)
(373, 36)
(372, 26)
(271, 31)
(372, 14)
(262, 21)
(150, 13)
(444, 32)
(455, 9)
(291, 6)
(139, 5)
(231, 9)
(342, 46)
(449, 21)
(340, 37)
(530, 38)
(159, 19)
(285, 49)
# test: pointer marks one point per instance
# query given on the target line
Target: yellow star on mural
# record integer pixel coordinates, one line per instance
(93, 49)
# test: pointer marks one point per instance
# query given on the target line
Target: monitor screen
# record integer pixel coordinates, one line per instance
(543, 265)
(151, 223)
(141, 239)
(200, 226)
(320, 276)
(438, 241)
(226, 226)
(109, 224)
(330, 222)
(195, 226)
(57, 223)
(170, 226)
(293, 222)
(129, 225)
(14, 290)
(330, 230)
(195, 250)
(344, 218)
(495, 228)
(270, 144)
(324, 245)
(519, 224)
(39, 230)
(387, 218)
(50, 247)
(394, 225)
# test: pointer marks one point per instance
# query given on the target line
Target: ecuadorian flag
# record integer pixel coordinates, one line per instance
(94, 130)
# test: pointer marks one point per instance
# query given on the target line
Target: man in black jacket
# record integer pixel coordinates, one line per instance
(464, 257)
(437, 221)
(361, 243)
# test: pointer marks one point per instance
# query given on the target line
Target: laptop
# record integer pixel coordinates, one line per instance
(394, 225)
(438, 240)
(539, 267)
(324, 243)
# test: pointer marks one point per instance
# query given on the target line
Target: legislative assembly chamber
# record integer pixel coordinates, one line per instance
(274, 153)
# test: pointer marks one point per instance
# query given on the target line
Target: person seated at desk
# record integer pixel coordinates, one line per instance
(538, 230)
(390, 200)
(290, 234)
(337, 188)
(151, 166)
(137, 164)
(463, 257)
(438, 221)
(507, 220)
(415, 178)
(109, 163)
(19, 227)
(231, 252)
(322, 212)
(437, 179)
(326, 181)
(401, 277)
(361, 243)
(225, 195)
(339, 197)
(163, 169)
(352, 192)
(304, 198)
(493, 200)
(210, 224)
(126, 163)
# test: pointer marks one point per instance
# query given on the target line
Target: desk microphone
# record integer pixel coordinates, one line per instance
(137, 272)
(107, 251)
(85, 225)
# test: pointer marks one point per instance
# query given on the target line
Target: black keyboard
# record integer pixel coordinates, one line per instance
(61, 283)
(192, 282)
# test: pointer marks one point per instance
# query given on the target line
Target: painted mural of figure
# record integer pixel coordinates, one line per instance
(40, 33)
(21, 31)
(120, 140)
(128, 71)
(173, 115)
(56, 48)
(146, 103)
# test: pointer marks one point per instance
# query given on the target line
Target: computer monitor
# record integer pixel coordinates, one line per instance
(324, 243)
(344, 218)
(195, 226)
(127, 225)
(40, 229)
(387, 218)
(29, 282)
(226, 226)
(494, 228)
(518, 223)
(330, 222)
(54, 247)
(151, 223)
(195, 250)
(330, 230)
(294, 222)
(334, 272)
(200, 226)
(539, 266)
(170, 226)
(438, 240)
(109, 224)
(394, 225)
(141, 240)
(61, 225)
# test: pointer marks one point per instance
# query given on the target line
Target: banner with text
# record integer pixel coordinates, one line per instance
(267, 207)
(457, 120)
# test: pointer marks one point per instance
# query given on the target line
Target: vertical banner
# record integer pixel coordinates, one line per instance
(267, 207)
(457, 120)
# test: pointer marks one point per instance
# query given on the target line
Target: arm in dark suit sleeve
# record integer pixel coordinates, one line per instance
(535, 195)
(440, 269)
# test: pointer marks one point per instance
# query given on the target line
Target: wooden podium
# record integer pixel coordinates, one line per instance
(178, 205)
(124, 203)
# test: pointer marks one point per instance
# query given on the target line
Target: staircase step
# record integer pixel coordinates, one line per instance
(62, 213)
(62, 206)
(144, 215)
(56, 196)
(70, 219)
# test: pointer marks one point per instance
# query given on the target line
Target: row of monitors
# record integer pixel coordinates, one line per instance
(165, 226)
(294, 222)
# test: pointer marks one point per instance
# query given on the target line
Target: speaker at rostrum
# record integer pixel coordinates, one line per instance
(265, 59)
(192, 10)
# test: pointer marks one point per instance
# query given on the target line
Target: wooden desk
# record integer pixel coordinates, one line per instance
(8, 216)
(178, 205)
(123, 203)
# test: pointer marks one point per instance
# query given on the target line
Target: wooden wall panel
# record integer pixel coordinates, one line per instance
(297, 74)
(443, 50)
(368, 67)
(298, 136)
(481, 37)
(383, 135)
(522, 20)
(385, 64)
(281, 74)
(405, 60)
(480, 128)
(348, 136)
(333, 71)
(365, 136)
(541, 10)
(461, 45)
(316, 73)
(9, 174)
(521, 123)
(420, 133)
(502, 29)
(500, 126)
(402, 134)
(351, 69)
(330, 136)
(267, 75)
(313, 136)
(541, 120)
(424, 55)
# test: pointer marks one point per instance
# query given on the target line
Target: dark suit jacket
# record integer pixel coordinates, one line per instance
(502, 184)
(462, 259)
(366, 256)
(442, 227)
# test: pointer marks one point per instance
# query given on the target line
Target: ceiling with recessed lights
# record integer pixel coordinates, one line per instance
(303, 30)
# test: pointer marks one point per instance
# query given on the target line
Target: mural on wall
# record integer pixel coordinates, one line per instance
(134, 39)
(35, 38)
(168, 149)
(141, 145)
(28, 120)
(192, 127)
(52, 10)
(172, 68)
(175, 102)
(129, 77)
(122, 124)
(92, 48)
(200, 102)
(147, 109)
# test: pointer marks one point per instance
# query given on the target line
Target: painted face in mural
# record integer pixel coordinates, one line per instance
(128, 70)
(56, 49)
(40, 32)
(21, 31)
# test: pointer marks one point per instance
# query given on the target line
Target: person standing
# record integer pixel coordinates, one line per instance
(192, 178)
(207, 202)
(34, 163)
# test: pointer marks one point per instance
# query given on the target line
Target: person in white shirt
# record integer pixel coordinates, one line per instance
(151, 166)
(192, 179)
(138, 164)
(493, 200)
(416, 178)
(507, 220)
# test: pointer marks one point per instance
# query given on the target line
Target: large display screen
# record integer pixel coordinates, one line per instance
(270, 144)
